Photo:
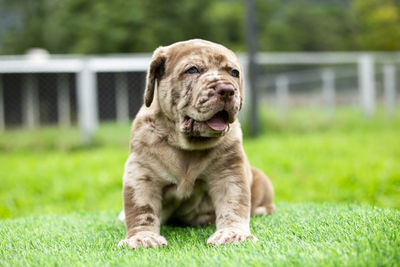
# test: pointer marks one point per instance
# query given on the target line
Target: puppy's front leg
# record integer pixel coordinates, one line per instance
(142, 203)
(231, 198)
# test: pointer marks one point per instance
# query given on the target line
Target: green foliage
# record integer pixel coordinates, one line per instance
(295, 235)
(378, 23)
(24, 27)
(304, 25)
(101, 26)
(76, 26)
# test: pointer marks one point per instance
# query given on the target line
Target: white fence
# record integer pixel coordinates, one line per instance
(366, 64)
(86, 69)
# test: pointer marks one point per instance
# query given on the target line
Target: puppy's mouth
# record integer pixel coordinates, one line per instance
(218, 122)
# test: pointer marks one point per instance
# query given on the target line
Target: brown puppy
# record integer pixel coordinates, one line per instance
(186, 162)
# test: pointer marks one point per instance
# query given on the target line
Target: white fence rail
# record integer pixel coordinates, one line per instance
(365, 63)
(85, 70)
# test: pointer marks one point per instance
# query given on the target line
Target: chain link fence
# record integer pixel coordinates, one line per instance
(119, 95)
(38, 99)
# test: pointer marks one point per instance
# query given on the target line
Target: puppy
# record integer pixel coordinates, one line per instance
(186, 163)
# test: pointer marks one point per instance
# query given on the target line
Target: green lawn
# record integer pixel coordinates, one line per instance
(308, 158)
(350, 164)
(296, 235)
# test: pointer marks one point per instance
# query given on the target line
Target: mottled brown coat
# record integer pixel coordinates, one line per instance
(180, 169)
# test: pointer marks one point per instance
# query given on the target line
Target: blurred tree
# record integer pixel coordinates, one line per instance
(305, 25)
(93, 26)
(378, 24)
(99, 26)
(120, 26)
(227, 22)
(22, 24)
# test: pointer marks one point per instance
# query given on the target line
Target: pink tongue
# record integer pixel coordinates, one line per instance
(217, 122)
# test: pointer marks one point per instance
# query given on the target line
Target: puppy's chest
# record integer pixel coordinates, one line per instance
(187, 210)
(178, 166)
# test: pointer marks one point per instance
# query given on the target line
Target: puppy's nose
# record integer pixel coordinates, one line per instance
(225, 90)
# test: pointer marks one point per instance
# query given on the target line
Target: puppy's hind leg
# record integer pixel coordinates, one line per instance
(262, 194)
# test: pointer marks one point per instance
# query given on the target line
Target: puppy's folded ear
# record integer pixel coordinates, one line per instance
(155, 72)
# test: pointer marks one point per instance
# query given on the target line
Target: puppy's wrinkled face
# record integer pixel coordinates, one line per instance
(200, 88)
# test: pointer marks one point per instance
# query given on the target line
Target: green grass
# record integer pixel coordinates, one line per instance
(308, 158)
(296, 235)
(72, 195)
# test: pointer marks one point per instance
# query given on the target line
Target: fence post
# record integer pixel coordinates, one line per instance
(30, 100)
(282, 94)
(366, 84)
(122, 99)
(328, 91)
(389, 83)
(2, 117)
(246, 90)
(251, 40)
(63, 100)
(87, 103)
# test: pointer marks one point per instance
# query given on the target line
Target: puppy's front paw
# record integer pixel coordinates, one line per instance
(144, 239)
(230, 236)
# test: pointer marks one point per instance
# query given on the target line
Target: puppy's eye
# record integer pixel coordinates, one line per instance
(192, 70)
(234, 73)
